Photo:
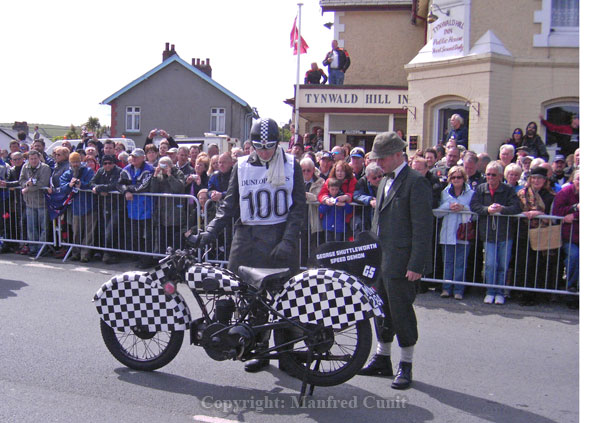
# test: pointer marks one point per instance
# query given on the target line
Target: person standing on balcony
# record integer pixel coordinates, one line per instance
(338, 62)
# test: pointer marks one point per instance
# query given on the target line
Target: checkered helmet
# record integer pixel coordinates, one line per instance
(264, 134)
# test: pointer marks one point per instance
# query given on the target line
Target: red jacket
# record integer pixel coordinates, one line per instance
(564, 204)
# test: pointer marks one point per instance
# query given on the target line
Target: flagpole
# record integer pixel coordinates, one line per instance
(298, 46)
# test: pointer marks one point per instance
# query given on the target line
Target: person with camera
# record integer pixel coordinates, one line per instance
(162, 135)
(109, 205)
(72, 182)
(171, 211)
(34, 180)
(266, 198)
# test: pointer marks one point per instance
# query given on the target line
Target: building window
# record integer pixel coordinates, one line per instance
(133, 116)
(565, 14)
(562, 114)
(559, 21)
(217, 120)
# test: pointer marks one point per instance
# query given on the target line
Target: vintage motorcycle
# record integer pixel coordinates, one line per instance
(319, 318)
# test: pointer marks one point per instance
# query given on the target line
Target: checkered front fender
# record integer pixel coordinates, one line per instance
(329, 297)
(138, 299)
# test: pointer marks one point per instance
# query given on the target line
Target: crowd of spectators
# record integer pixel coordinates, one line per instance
(475, 198)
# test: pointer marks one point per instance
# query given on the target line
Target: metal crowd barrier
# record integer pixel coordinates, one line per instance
(544, 270)
(13, 223)
(111, 224)
(106, 222)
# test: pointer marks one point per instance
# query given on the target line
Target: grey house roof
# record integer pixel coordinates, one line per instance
(164, 64)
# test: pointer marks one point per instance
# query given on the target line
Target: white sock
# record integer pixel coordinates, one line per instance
(406, 354)
(384, 348)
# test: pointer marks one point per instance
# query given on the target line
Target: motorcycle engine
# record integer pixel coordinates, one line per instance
(222, 342)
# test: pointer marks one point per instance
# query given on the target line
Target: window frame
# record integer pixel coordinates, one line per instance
(133, 111)
(553, 36)
(220, 116)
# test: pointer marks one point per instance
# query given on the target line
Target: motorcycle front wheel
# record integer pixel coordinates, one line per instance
(340, 353)
(142, 350)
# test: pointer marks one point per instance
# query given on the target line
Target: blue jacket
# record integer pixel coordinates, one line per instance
(333, 218)
(137, 181)
(83, 202)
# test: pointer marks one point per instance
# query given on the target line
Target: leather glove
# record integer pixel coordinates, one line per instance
(282, 251)
(206, 239)
(202, 239)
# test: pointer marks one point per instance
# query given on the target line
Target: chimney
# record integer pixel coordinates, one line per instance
(168, 51)
(202, 66)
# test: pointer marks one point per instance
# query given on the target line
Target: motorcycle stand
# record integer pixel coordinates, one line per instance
(302, 396)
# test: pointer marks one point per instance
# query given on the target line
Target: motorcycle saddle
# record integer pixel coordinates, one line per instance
(261, 277)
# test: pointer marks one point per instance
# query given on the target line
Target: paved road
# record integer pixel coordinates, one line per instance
(473, 363)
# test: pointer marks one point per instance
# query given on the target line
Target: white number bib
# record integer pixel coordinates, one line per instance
(260, 202)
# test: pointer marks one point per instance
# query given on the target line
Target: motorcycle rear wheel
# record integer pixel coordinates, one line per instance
(142, 350)
(346, 352)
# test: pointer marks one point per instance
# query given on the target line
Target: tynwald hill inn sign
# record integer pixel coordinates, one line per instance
(367, 98)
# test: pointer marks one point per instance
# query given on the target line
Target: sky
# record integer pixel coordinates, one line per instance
(61, 59)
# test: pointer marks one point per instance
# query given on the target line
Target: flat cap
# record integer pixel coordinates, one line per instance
(386, 144)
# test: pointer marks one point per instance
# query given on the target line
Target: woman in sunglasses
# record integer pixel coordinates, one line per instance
(456, 198)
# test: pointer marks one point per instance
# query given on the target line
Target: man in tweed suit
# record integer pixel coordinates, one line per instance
(403, 221)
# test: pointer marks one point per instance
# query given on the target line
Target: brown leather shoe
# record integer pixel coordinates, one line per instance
(379, 365)
(403, 378)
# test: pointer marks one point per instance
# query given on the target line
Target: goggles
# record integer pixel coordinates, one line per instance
(264, 145)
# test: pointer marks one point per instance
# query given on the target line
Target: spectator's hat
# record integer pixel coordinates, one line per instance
(109, 158)
(523, 148)
(172, 150)
(386, 144)
(539, 171)
(559, 158)
(530, 158)
(326, 155)
(308, 147)
(138, 152)
(357, 152)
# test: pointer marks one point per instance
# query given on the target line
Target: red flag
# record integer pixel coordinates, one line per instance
(294, 40)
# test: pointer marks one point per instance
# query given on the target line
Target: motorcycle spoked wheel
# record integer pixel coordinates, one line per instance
(353, 342)
(142, 350)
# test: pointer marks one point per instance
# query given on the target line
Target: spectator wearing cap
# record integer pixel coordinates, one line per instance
(521, 152)
(103, 183)
(76, 182)
(297, 151)
(172, 154)
(525, 163)
(135, 179)
(357, 162)
(558, 170)
(325, 164)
